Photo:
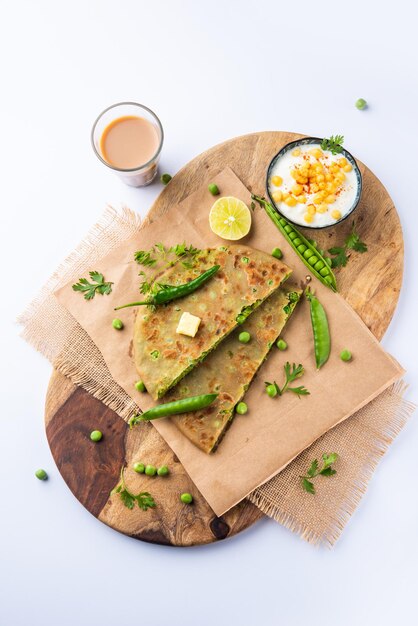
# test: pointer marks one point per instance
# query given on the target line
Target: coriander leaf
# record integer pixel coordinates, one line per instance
(328, 471)
(300, 391)
(160, 247)
(353, 241)
(333, 144)
(329, 459)
(341, 259)
(144, 258)
(145, 501)
(308, 485)
(127, 499)
(89, 289)
(313, 468)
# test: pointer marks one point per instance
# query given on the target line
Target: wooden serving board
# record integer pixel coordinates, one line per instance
(370, 283)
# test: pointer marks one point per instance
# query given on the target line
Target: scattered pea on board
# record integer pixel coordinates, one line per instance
(165, 179)
(96, 435)
(117, 324)
(214, 189)
(244, 337)
(139, 386)
(305, 250)
(163, 471)
(139, 468)
(361, 104)
(281, 344)
(241, 408)
(150, 470)
(277, 253)
(186, 498)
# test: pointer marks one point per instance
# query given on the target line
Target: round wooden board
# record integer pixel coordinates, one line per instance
(370, 283)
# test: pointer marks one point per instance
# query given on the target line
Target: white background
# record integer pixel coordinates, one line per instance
(211, 70)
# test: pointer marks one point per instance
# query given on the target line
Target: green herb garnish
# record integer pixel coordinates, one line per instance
(99, 285)
(333, 144)
(313, 471)
(143, 257)
(352, 242)
(292, 372)
(144, 499)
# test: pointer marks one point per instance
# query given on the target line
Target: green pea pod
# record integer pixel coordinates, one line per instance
(168, 293)
(320, 329)
(195, 403)
(303, 247)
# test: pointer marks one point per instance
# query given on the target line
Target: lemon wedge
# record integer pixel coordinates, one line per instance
(230, 218)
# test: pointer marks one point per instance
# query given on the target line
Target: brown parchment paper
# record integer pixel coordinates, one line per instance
(274, 431)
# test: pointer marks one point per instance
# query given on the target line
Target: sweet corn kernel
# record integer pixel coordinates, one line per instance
(296, 152)
(321, 208)
(294, 173)
(285, 195)
(314, 188)
(316, 152)
(308, 218)
(347, 168)
(297, 190)
(277, 196)
(318, 167)
(321, 185)
(329, 186)
(333, 168)
(343, 161)
(330, 199)
(336, 214)
(301, 180)
(318, 197)
(320, 178)
(277, 181)
(328, 177)
(311, 209)
(302, 199)
(291, 201)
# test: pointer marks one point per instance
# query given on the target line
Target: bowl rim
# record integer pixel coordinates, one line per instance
(344, 152)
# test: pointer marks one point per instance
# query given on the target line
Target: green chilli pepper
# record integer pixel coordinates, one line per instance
(172, 292)
(320, 329)
(195, 403)
(305, 250)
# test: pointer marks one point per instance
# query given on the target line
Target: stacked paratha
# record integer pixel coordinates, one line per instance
(246, 278)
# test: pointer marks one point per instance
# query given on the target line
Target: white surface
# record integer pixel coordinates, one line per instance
(211, 71)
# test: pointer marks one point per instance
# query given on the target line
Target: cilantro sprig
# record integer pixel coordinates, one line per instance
(352, 242)
(314, 471)
(98, 285)
(333, 144)
(144, 499)
(292, 372)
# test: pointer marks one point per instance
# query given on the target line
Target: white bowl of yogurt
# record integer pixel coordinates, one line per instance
(312, 187)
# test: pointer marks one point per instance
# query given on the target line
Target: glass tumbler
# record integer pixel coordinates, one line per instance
(144, 173)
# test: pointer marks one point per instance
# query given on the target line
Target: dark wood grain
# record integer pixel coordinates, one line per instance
(91, 470)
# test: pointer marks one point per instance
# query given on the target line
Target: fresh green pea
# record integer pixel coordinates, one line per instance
(346, 355)
(271, 391)
(281, 344)
(150, 470)
(324, 271)
(302, 248)
(139, 386)
(96, 435)
(328, 261)
(163, 471)
(361, 104)
(165, 179)
(244, 337)
(308, 253)
(41, 474)
(214, 189)
(287, 228)
(312, 260)
(186, 498)
(319, 265)
(277, 253)
(139, 468)
(328, 280)
(241, 408)
(292, 235)
(297, 241)
(117, 324)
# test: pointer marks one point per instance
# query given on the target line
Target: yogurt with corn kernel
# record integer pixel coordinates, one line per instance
(313, 187)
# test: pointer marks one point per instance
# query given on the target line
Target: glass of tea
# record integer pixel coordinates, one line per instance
(128, 137)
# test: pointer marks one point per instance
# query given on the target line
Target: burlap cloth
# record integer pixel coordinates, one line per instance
(360, 441)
